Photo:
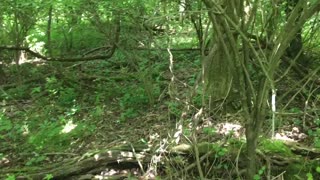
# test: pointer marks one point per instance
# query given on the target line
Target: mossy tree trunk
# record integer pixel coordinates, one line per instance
(220, 65)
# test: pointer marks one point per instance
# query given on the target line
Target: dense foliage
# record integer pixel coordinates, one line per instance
(159, 89)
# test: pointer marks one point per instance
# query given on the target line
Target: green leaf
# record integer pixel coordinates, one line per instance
(317, 142)
(36, 90)
(187, 132)
(318, 169)
(295, 110)
(143, 141)
(222, 152)
(209, 131)
(5, 124)
(260, 172)
(309, 176)
(256, 177)
(10, 177)
(48, 177)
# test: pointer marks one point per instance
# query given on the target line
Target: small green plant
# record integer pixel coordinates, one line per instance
(317, 122)
(36, 160)
(260, 173)
(134, 100)
(6, 124)
(275, 146)
(295, 110)
(128, 114)
(174, 108)
(309, 176)
(48, 177)
(20, 92)
(47, 135)
(316, 137)
(209, 131)
(57, 135)
(192, 79)
(98, 111)
(186, 132)
(5, 127)
(67, 96)
(11, 177)
(134, 96)
(52, 85)
(297, 122)
(36, 90)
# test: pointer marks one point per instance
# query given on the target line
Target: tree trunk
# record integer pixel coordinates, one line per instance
(251, 151)
(296, 44)
(2, 74)
(49, 31)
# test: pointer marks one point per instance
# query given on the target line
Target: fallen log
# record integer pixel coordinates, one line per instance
(138, 157)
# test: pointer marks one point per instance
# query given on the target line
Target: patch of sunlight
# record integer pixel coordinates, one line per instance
(25, 129)
(96, 157)
(35, 45)
(294, 135)
(247, 9)
(230, 128)
(68, 127)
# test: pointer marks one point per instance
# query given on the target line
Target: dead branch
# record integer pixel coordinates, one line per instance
(68, 59)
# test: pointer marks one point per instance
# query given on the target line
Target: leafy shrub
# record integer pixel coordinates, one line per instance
(134, 100)
(20, 92)
(67, 96)
(134, 97)
(6, 125)
(52, 85)
(316, 136)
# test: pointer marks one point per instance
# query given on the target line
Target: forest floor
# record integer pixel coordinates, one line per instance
(53, 112)
(108, 102)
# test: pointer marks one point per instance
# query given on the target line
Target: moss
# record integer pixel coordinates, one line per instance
(274, 147)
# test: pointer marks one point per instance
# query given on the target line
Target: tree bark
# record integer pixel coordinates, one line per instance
(2, 74)
(49, 31)
(296, 44)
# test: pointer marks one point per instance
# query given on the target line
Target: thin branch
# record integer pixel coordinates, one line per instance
(71, 59)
